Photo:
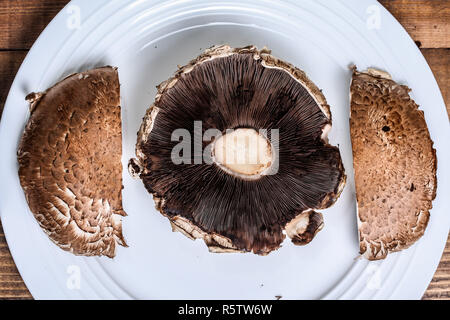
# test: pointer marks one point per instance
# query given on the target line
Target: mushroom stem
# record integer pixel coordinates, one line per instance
(243, 153)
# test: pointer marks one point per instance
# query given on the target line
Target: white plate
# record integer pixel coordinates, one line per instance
(147, 40)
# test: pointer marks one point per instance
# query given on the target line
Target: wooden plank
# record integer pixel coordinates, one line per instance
(11, 284)
(31, 16)
(427, 21)
(10, 62)
(439, 62)
(439, 286)
(14, 295)
(10, 278)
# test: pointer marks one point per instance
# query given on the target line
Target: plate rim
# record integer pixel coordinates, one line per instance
(42, 38)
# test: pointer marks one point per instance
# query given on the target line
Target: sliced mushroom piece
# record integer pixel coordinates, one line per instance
(394, 163)
(70, 162)
(304, 227)
(239, 207)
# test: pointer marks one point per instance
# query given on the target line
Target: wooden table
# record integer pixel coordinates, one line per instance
(21, 21)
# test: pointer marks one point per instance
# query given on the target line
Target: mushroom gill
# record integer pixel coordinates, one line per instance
(239, 208)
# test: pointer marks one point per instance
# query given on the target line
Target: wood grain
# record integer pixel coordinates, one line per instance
(439, 286)
(10, 62)
(21, 21)
(439, 62)
(11, 284)
(427, 21)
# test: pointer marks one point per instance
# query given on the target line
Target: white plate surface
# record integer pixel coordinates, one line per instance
(147, 40)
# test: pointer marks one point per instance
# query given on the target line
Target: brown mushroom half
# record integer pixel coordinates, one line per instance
(394, 163)
(70, 162)
(240, 207)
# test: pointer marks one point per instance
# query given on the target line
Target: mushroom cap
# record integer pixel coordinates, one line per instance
(232, 88)
(70, 162)
(394, 163)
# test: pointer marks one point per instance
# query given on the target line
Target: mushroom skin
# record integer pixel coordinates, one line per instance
(394, 164)
(69, 161)
(233, 88)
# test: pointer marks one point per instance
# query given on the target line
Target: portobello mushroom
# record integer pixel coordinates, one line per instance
(394, 162)
(249, 97)
(70, 162)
